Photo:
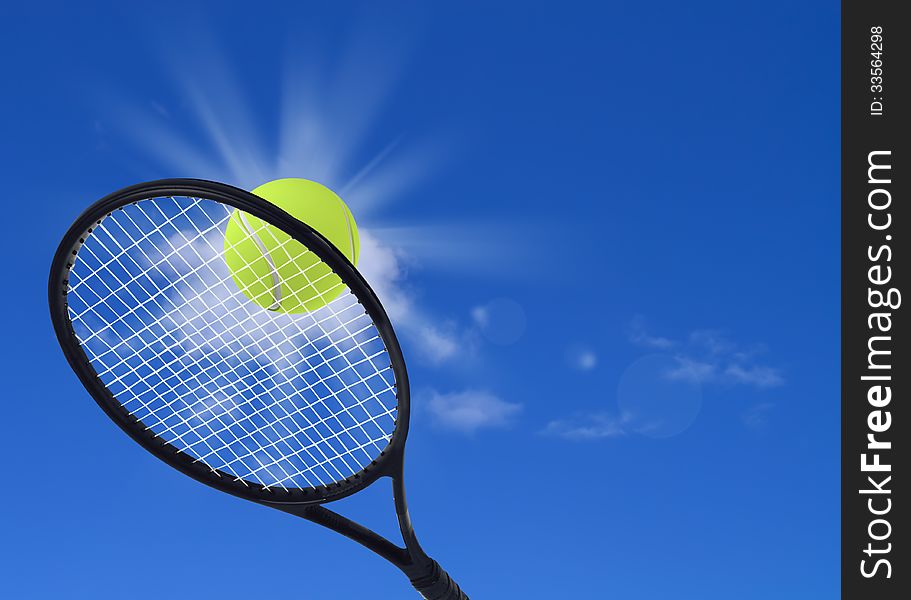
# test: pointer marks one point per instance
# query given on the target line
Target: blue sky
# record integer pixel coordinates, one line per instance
(608, 240)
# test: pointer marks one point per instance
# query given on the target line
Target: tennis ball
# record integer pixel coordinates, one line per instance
(277, 272)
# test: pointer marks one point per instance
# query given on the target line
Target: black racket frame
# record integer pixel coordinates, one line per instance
(424, 573)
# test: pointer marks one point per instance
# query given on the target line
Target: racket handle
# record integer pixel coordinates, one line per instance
(436, 584)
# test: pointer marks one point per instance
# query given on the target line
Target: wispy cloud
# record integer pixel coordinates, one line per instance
(757, 416)
(708, 356)
(691, 370)
(660, 394)
(755, 375)
(586, 427)
(714, 342)
(439, 344)
(470, 410)
(385, 269)
(639, 336)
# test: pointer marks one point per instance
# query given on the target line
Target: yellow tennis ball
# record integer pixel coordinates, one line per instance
(277, 272)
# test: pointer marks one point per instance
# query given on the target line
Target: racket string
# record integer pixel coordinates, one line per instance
(145, 362)
(244, 391)
(265, 465)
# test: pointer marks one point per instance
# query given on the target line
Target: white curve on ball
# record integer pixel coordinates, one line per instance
(276, 280)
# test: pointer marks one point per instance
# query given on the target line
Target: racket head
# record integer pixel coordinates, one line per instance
(172, 444)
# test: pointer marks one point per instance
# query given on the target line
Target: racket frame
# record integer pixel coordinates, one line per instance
(64, 260)
(425, 573)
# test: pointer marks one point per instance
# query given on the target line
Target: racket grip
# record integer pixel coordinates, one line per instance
(436, 584)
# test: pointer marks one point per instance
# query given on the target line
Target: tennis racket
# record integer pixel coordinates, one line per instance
(291, 411)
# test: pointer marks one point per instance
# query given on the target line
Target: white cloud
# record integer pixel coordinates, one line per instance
(585, 427)
(657, 342)
(755, 375)
(384, 268)
(703, 357)
(693, 371)
(757, 416)
(639, 336)
(712, 341)
(708, 356)
(438, 344)
(470, 410)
